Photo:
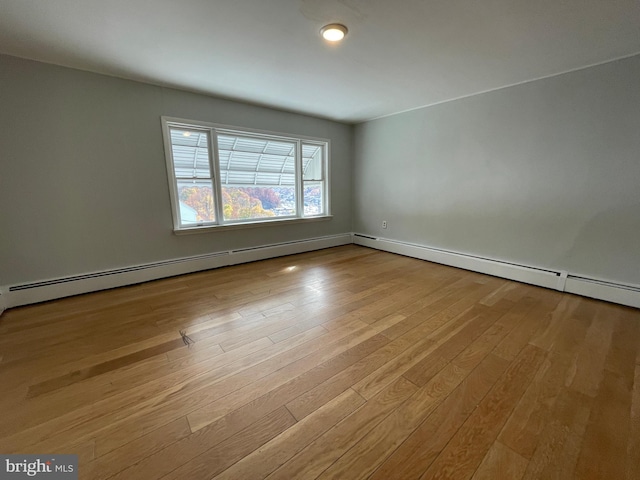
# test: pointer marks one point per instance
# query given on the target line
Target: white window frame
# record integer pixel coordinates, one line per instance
(213, 130)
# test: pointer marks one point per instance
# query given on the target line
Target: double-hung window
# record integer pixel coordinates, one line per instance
(222, 175)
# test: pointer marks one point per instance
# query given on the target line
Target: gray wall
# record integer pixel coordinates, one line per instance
(83, 183)
(544, 174)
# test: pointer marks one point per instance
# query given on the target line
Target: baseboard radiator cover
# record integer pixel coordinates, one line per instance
(35, 292)
(624, 294)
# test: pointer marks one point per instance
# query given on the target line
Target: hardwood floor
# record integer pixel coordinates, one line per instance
(344, 363)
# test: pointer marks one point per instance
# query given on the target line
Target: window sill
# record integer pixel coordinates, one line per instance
(240, 226)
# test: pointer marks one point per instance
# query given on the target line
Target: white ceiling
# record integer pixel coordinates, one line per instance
(398, 55)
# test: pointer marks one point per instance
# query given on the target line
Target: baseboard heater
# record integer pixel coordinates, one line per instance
(625, 294)
(34, 292)
(105, 273)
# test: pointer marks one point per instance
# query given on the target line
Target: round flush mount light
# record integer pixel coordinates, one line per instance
(333, 32)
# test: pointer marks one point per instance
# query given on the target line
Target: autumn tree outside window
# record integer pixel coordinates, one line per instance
(222, 175)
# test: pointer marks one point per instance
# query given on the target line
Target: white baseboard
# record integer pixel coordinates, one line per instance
(624, 294)
(543, 278)
(25, 294)
(611, 292)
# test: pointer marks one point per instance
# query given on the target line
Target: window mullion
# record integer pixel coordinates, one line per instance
(326, 175)
(214, 163)
(299, 180)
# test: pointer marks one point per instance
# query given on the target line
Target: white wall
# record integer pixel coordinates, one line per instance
(544, 174)
(83, 184)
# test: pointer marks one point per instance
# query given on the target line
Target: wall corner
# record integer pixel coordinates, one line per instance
(3, 300)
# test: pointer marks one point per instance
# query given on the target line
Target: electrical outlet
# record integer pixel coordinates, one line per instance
(384, 224)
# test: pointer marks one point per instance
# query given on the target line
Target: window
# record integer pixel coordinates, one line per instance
(227, 176)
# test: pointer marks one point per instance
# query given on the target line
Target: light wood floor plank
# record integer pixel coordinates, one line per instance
(420, 449)
(604, 448)
(560, 442)
(462, 456)
(344, 363)
(321, 453)
(589, 366)
(523, 428)
(137, 450)
(219, 458)
(501, 462)
(364, 457)
(633, 448)
(271, 456)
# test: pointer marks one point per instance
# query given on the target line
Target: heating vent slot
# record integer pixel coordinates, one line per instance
(359, 235)
(87, 276)
(605, 283)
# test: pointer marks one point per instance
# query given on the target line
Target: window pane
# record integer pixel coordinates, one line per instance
(196, 202)
(245, 203)
(313, 177)
(313, 201)
(247, 162)
(190, 149)
(257, 177)
(312, 164)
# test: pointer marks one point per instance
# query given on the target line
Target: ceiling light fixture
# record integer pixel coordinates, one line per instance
(333, 32)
